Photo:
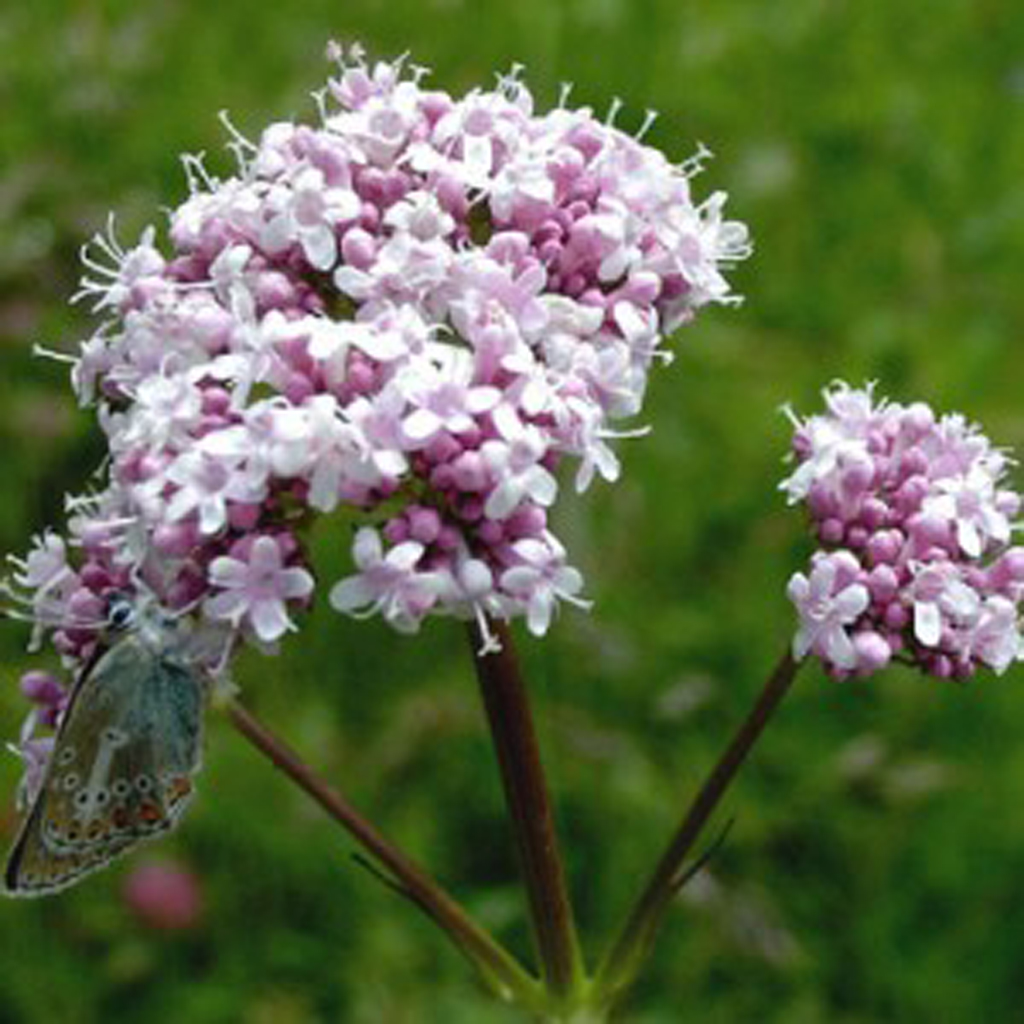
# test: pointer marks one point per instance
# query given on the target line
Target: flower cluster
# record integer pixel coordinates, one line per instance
(417, 309)
(914, 521)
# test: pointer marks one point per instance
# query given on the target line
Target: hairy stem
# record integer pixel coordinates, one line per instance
(515, 742)
(503, 973)
(634, 940)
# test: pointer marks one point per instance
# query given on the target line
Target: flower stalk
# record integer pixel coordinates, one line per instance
(620, 966)
(508, 980)
(515, 741)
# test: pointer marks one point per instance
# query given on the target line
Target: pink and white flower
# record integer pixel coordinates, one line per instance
(917, 507)
(256, 589)
(391, 583)
(413, 313)
(827, 603)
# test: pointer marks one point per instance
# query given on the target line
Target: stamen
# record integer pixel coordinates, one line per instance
(197, 177)
(59, 357)
(491, 644)
(320, 98)
(693, 165)
(649, 118)
(239, 145)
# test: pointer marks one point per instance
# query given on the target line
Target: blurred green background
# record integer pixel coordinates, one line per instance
(875, 870)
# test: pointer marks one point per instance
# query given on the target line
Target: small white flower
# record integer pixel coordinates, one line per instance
(46, 564)
(441, 395)
(969, 502)
(996, 637)
(390, 584)
(166, 412)
(256, 590)
(205, 484)
(826, 607)
(940, 597)
(309, 213)
(542, 579)
(515, 464)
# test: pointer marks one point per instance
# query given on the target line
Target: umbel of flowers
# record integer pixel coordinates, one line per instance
(417, 308)
(914, 520)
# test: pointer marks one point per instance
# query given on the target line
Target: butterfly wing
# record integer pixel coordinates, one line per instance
(121, 768)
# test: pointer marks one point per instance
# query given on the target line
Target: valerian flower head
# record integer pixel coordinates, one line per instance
(415, 310)
(914, 519)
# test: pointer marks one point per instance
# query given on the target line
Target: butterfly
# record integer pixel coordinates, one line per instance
(123, 761)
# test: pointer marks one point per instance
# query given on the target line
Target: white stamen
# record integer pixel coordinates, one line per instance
(239, 145)
(649, 118)
(694, 164)
(491, 644)
(49, 353)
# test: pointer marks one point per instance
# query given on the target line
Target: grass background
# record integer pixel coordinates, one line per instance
(875, 871)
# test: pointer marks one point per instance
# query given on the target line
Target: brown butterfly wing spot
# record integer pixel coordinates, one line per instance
(149, 816)
(133, 812)
(179, 788)
(70, 846)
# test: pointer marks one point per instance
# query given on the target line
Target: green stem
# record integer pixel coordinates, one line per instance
(500, 970)
(620, 966)
(515, 741)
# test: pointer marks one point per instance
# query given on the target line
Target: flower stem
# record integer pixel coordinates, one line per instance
(620, 966)
(504, 975)
(515, 741)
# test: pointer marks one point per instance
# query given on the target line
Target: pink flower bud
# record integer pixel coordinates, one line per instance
(910, 495)
(358, 248)
(926, 531)
(883, 582)
(95, 577)
(918, 419)
(896, 616)
(469, 472)
(856, 477)
(831, 531)
(873, 652)
(396, 530)
(298, 388)
(1008, 569)
(856, 537)
(914, 465)
(244, 516)
(424, 523)
(216, 401)
(874, 513)
(175, 540)
(884, 547)
(42, 688)
(821, 502)
(491, 532)
(86, 607)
